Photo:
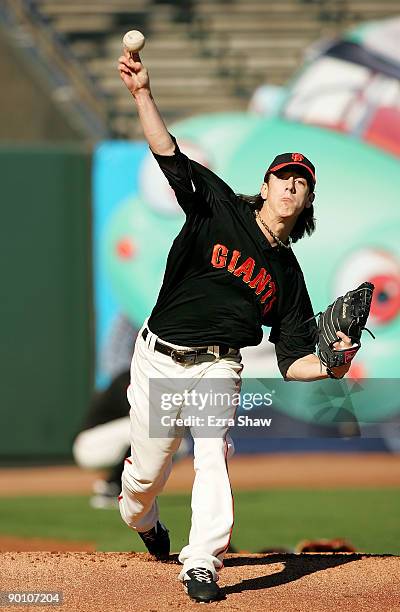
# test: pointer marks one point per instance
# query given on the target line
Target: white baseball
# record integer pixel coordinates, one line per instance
(133, 40)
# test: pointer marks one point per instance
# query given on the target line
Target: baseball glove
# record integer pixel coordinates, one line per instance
(348, 314)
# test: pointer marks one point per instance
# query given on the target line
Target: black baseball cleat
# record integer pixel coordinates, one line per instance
(200, 585)
(157, 541)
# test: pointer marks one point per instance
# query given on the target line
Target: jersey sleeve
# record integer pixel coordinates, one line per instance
(292, 335)
(195, 186)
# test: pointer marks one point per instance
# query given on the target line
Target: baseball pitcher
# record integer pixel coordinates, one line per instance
(230, 270)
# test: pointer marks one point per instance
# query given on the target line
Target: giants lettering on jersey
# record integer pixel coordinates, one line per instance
(258, 281)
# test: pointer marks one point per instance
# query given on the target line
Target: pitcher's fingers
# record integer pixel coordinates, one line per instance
(132, 55)
(123, 69)
(129, 63)
(125, 72)
(134, 66)
(124, 64)
(343, 337)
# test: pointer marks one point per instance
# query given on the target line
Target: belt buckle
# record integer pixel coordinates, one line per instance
(184, 358)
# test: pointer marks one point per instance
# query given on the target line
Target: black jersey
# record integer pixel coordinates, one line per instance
(223, 279)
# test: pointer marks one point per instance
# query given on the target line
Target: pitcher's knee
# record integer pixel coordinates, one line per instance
(138, 485)
(137, 498)
(145, 479)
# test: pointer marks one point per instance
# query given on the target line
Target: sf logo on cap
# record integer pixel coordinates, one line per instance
(297, 157)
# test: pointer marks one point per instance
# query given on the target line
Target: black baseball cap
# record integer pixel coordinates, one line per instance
(293, 159)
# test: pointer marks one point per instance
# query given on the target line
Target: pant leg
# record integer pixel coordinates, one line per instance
(102, 446)
(140, 488)
(147, 469)
(115, 473)
(212, 499)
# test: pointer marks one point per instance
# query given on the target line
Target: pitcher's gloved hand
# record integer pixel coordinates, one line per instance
(347, 314)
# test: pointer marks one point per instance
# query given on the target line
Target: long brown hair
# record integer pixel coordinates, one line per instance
(305, 224)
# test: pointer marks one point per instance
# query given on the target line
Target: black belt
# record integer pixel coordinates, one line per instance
(192, 356)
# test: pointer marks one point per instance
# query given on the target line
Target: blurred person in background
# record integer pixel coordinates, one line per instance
(103, 442)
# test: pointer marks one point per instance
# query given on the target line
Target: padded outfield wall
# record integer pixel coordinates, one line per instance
(45, 306)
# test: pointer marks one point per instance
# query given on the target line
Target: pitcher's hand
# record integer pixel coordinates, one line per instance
(133, 73)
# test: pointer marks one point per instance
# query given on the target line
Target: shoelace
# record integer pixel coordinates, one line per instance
(202, 575)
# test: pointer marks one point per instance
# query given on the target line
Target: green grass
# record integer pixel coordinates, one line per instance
(263, 519)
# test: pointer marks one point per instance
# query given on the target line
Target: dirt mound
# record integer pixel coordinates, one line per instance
(18, 544)
(117, 582)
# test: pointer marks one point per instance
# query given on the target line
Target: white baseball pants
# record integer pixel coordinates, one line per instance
(147, 469)
(102, 446)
